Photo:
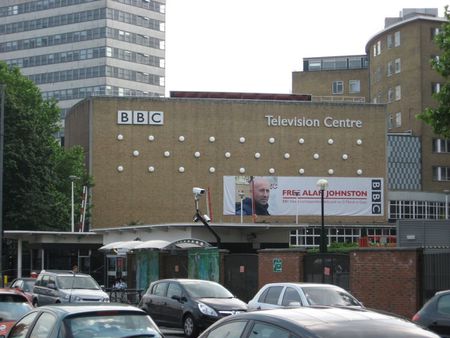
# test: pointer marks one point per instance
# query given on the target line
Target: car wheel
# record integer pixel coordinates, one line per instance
(189, 327)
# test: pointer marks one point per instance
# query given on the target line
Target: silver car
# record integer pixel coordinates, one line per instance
(66, 287)
(278, 295)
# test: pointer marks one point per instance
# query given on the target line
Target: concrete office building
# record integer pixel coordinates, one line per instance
(73, 49)
(396, 71)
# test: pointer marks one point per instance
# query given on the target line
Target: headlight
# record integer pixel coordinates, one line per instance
(205, 309)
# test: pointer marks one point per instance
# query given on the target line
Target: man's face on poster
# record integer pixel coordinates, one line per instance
(261, 191)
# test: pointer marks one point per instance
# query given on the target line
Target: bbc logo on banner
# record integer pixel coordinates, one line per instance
(377, 197)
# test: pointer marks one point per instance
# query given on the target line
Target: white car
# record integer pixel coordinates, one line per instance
(278, 295)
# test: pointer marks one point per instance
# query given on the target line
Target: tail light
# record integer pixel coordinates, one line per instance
(416, 317)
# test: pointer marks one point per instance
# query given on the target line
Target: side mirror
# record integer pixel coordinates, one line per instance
(178, 298)
(295, 304)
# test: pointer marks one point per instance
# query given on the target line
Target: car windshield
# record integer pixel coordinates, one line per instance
(329, 296)
(77, 282)
(28, 285)
(205, 289)
(109, 325)
(13, 309)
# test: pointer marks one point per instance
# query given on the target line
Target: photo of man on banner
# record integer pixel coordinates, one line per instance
(258, 201)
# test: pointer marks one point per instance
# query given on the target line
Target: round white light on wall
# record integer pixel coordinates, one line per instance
(197, 154)
(242, 170)
(151, 138)
(120, 137)
(272, 171)
(286, 156)
(212, 170)
(330, 171)
(316, 156)
(272, 140)
(257, 155)
(151, 169)
(359, 142)
(212, 139)
(136, 153)
(181, 169)
(301, 141)
(227, 154)
(166, 153)
(344, 156)
(242, 139)
(181, 138)
(301, 171)
(330, 141)
(359, 172)
(120, 168)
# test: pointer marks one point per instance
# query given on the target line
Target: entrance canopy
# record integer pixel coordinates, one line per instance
(124, 247)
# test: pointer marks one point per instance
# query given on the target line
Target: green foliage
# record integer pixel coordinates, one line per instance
(36, 184)
(439, 118)
(337, 247)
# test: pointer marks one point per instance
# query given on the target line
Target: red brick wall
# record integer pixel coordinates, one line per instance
(387, 279)
(292, 265)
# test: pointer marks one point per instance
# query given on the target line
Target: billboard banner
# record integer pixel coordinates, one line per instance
(290, 195)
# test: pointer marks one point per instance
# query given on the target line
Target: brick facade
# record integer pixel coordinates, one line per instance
(291, 266)
(387, 279)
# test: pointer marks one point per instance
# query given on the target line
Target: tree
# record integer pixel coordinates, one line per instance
(36, 184)
(439, 118)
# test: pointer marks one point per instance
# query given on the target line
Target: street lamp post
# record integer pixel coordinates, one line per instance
(446, 191)
(322, 184)
(72, 180)
(241, 195)
(2, 134)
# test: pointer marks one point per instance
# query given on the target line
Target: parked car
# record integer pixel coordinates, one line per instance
(191, 304)
(24, 284)
(276, 295)
(80, 320)
(316, 321)
(66, 287)
(13, 305)
(435, 314)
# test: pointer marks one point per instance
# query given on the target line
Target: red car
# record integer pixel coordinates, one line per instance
(24, 284)
(13, 305)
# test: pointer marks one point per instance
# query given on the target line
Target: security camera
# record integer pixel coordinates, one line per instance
(198, 191)
(206, 218)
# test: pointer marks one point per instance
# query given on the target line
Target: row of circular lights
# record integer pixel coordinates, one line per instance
(212, 170)
(227, 154)
(242, 139)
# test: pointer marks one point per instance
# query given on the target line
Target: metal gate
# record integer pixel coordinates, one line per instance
(241, 275)
(330, 268)
(436, 273)
(173, 264)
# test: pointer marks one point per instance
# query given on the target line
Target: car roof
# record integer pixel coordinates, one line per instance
(331, 286)
(181, 280)
(10, 291)
(76, 308)
(323, 318)
(63, 273)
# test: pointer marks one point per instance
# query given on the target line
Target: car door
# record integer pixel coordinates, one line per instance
(172, 309)
(441, 323)
(156, 300)
(269, 299)
(291, 297)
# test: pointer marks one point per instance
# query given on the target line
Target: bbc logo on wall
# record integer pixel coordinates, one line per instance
(377, 196)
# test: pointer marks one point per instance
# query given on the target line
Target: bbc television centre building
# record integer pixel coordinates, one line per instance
(147, 154)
